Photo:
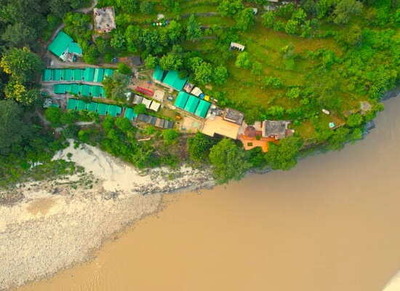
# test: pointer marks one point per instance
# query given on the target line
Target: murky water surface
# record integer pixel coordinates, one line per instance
(331, 224)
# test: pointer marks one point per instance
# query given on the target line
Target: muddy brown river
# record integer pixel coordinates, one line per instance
(331, 224)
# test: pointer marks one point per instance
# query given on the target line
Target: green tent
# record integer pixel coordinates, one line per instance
(114, 110)
(85, 90)
(181, 100)
(68, 75)
(173, 80)
(63, 43)
(102, 108)
(102, 92)
(71, 105)
(130, 114)
(191, 104)
(81, 105)
(108, 72)
(98, 75)
(78, 74)
(158, 74)
(58, 75)
(59, 89)
(75, 88)
(202, 108)
(89, 74)
(91, 106)
(95, 91)
(47, 75)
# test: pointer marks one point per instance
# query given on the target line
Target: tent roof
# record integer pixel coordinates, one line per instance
(98, 75)
(102, 108)
(62, 43)
(173, 80)
(89, 74)
(71, 104)
(181, 100)
(158, 74)
(130, 114)
(202, 108)
(80, 105)
(47, 75)
(191, 104)
(92, 106)
(78, 74)
(114, 110)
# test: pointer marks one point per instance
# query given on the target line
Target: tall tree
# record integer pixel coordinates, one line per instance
(193, 30)
(228, 161)
(283, 156)
(12, 128)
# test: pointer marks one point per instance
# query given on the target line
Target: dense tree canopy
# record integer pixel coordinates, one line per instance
(12, 129)
(228, 161)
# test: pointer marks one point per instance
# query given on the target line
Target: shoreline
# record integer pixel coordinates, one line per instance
(60, 223)
(108, 175)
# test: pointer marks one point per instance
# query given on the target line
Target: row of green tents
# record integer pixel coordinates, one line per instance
(101, 108)
(80, 89)
(92, 75)
(192, 104)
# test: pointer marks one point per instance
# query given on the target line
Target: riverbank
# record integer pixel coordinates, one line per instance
(59, 223)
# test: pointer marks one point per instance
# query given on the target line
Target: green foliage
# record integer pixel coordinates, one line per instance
(19, 34)
(140, 109)
(170, 136)
(273, 82)
(21, 64)
(199, 147)
(230, 7)
(151, 62)
(293, 93)
(243, 60)
(245, 19)
(124, 69)
(283, 156)
(220, 75)
(228, 161)
(193, 30)
(147, 7)
(171, 62)
(116, 86)
(13, 130)
(355, 120)
(345, 9)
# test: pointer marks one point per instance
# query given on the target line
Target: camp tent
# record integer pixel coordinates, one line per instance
(181, 100)
(158, 74)
(173, 80)
(102, 108)
(202, 108)
(130, 114)
(71, 105)
(63, 44)
(89, 74)
(114, 110)
(191, 104)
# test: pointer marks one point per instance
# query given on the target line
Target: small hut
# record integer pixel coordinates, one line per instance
(237, 46)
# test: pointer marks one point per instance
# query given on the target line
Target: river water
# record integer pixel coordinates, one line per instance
(330, 224)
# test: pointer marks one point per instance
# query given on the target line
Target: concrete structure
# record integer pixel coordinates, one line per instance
(238, 46)
(277, 129)
(252, 138)
(64, 47)
(104, 19)
(233, 116)
(219, 126)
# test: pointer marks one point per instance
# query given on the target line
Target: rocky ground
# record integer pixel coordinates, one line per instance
(58, 223)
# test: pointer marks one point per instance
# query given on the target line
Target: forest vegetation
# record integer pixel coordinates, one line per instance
(300, 59)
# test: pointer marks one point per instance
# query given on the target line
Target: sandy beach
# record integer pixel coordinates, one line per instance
(59, 223)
